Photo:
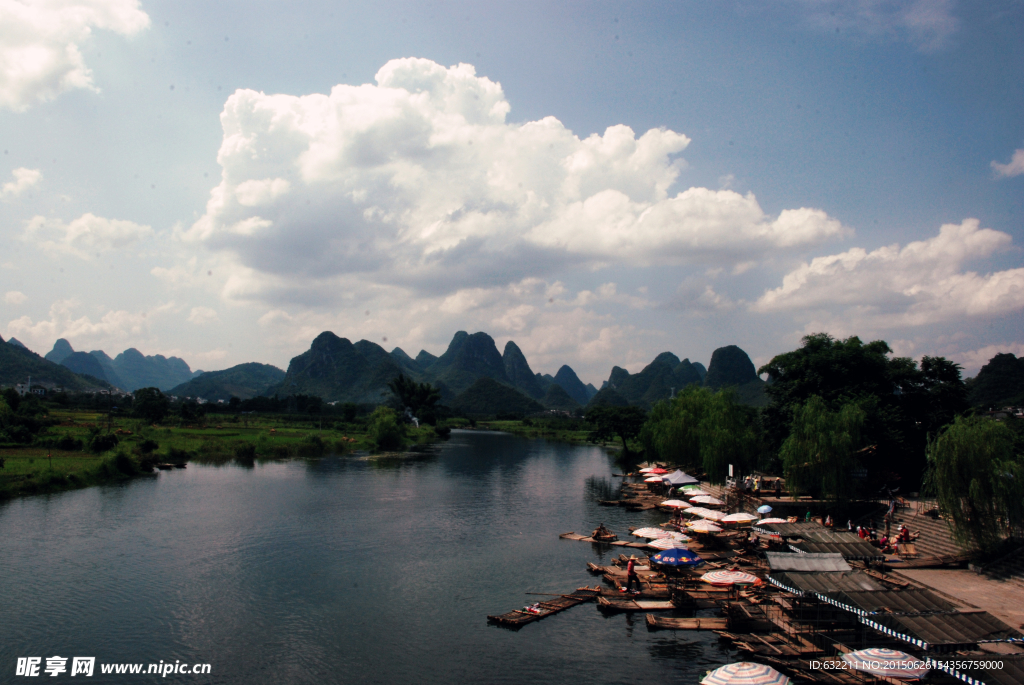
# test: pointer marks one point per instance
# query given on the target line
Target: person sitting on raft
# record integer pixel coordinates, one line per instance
(601, 533)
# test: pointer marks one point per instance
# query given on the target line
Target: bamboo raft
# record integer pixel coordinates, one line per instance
(618, 543)
(633, 605)
(659, 623)
(520, 617)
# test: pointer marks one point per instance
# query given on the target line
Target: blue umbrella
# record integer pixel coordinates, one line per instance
(763, 509)
(677, 557)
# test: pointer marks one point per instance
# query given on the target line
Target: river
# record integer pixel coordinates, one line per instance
(338, 570)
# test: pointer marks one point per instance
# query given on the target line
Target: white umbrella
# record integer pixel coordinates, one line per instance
(647, 470)
(706, 499)
(745, 673)
(651, 533)
(740, 517)
(667, 543)
(652, 479)
(773, 520)
(712, 514)
(704, 527)
(678, 503)
(693, 492)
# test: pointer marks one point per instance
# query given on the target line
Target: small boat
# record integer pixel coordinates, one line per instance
(165, 467)
(180, 466)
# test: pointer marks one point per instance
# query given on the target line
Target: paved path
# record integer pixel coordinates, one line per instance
(1002, 599)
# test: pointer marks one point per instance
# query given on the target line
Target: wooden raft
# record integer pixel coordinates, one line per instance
(633, 605)
(520, 617)
(617, 543)
(659, 623)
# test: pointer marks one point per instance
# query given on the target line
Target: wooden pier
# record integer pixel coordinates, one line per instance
(618, 543)
(520, 617)
(634, 604)
(700, 623)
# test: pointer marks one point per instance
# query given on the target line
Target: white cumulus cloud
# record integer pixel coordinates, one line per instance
(40, 44)
(115, 330)
(14, 297)
(920, 283)
(201, 315)
(86, 236)
(925, 24)
(1014, 168)
(23, 180)
(419, 181)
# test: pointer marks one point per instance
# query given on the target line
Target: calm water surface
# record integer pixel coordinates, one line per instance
(340, 570)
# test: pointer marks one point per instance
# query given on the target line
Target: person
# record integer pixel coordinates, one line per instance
(807, 516)
(828, 521)
(887, 531)
(860, 532)
(747, 484)
(778, 488)
(600, 532)
(849, 525)
(757, 485)
(632, 577)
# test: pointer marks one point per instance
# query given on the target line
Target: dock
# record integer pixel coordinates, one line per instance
(535, 612)
(634, 604)
(618, 543)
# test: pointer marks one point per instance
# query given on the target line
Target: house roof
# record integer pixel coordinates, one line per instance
(781, 561)
(849, 550)
(828, 582)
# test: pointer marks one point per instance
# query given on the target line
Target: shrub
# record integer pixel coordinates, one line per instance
(102, 442)
(148, 446)
(312, 446)
(245, 453)
(385, 430)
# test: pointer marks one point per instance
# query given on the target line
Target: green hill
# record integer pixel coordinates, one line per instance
(243, 381)
(999, 383)
(557, 398)
(488, 397)
(656, 381)
(337, 370)
(607, 397)
(18, 363)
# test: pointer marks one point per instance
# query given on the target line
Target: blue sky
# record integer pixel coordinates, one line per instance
(172, 181)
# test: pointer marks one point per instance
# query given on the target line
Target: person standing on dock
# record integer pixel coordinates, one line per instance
(631, 577)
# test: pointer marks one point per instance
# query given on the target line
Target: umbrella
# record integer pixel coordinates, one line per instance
(677, 478)
(695, 491)
(710, 514)
(668, 543)
(706, 499)
(887, 663)
(676, 503)
(745, 673)
(764, 509)
(739, 517)
(647, 470)
(652, 479)
(730, 578)
(677, 557)
(704, 527)
(773, 520)
(658, 471)
(651, 533)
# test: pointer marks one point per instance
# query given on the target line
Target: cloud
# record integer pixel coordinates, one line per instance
(40, 55)
(202, 315)
(918, 284)
(1014, 168)
(925, 24)
(14, 297)
(86, 236)
(114, 330)
(973, 360)
(418, 181)
(23, 180)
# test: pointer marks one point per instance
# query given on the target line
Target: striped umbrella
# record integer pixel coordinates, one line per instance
(739, 517)
(887, 663)
(745, 673)
(710, 514)
(668, 543)
(706, 499)
(652, 479)
(677, 503)
(773, 520)
(704, 527)
(651, 533)
(694, 492)
(658, 471)
(647, 470)
(730, 578)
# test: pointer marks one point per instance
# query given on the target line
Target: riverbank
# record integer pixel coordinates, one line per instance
(135, 448)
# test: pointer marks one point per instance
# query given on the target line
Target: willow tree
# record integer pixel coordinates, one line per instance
(977, 481)
(699, 428)
(817, 457)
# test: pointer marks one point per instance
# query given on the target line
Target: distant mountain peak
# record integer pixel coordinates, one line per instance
(61, 350)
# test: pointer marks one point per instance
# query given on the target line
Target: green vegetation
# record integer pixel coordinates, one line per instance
(624, 423)
(420, 398)
(385, 431)
(488, 397)
(242, 381)
(999, 383)
(700, 430)
(979, 480)
(818, 454)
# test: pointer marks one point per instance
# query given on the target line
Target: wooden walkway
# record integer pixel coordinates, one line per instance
(520, 617)
(701, 623)
(618, 543)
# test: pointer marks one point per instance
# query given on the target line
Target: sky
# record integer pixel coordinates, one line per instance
(597, 181)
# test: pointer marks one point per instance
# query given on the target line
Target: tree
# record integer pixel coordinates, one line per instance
(978, 481)
(700, 428)
(150, 404)
(616, 422)
(901, 402)
(818, 454)
(419, 398)
(384, 429)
